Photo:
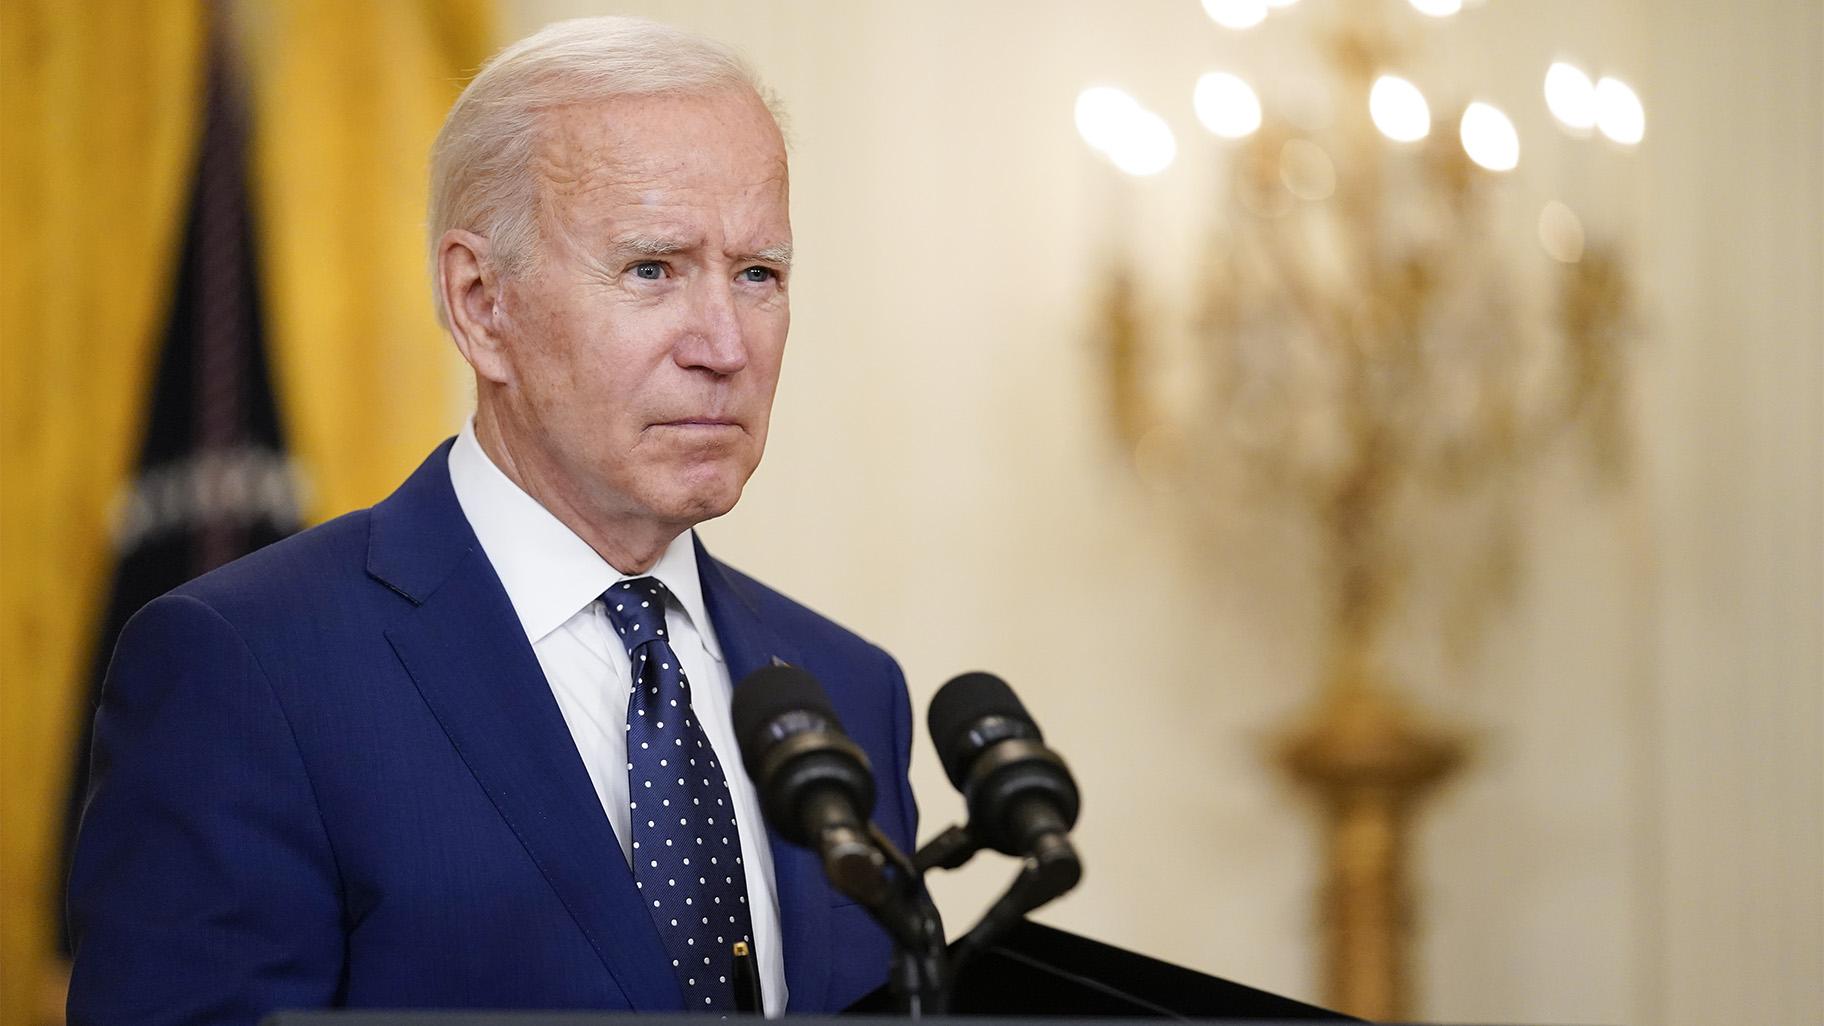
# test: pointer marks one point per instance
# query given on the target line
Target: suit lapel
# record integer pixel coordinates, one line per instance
(748, 644)
(463, 647)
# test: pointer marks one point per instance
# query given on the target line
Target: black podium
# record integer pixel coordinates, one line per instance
(1033, 973)
(1036, 970)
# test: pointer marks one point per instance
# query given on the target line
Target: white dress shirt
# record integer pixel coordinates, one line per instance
(555, 581)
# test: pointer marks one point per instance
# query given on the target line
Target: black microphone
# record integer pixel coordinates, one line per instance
(815, 784)
(1021, 797)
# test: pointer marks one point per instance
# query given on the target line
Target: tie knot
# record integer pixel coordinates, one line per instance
(636, 607)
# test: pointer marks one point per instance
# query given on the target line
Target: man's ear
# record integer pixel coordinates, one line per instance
(471, 290)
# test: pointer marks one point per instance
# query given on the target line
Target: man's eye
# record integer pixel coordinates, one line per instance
(650, 270)
(759, 274)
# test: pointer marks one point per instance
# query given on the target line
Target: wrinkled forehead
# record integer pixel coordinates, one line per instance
(722, 141)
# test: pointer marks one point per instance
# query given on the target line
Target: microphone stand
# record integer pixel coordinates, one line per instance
(1045, 874)
(924, 968)
(920, 978)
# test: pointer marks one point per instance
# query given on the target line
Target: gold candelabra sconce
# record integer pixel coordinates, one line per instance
(1371, 351)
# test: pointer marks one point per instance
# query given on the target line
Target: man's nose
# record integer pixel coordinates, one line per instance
(715, 342)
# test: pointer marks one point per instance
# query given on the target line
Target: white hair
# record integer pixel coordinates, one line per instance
(482, 177)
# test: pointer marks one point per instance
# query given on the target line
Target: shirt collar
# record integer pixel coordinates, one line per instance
(549, 573)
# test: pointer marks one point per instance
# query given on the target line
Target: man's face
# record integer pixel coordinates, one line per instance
(645, 342)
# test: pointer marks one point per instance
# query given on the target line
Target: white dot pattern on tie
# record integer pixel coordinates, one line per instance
(659, 721)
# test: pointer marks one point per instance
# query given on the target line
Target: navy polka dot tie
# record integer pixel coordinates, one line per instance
(686, 850)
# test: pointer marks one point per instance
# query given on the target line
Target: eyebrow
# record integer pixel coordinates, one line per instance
(780, 254)
(653, 245)
(664, 245)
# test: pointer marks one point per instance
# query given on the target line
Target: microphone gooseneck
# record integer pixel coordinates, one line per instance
(817, 791)
(816, 787)
(1021, 797)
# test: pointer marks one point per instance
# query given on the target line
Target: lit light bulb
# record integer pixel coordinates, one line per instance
(1618, 112)
(1102, 114)
(1489, 137)
(1147, 145)
(1226, 105)
(1399, 109)
(1570, 96)
(1437, 8)
(1236, 14)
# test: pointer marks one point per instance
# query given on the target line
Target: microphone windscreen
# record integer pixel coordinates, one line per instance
(772, 691)
(961, 704)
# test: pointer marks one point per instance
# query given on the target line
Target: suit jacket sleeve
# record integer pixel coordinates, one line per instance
(902, 752)
(203, 888)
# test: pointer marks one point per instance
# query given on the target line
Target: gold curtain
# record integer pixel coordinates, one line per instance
(100, 122)
(348, 95)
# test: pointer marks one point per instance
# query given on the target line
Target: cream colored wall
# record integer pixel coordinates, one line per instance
(1640, 840)
(1734, 235)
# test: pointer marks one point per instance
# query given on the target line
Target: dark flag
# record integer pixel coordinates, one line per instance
(212, 481)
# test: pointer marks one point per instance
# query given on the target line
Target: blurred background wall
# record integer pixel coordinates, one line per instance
(1639, 833)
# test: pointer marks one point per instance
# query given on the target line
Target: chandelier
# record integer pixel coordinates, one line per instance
(1375, 349)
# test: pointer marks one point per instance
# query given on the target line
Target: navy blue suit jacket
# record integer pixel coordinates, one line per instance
(332, 773)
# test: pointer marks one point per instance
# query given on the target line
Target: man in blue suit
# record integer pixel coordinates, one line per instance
(408, 758)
